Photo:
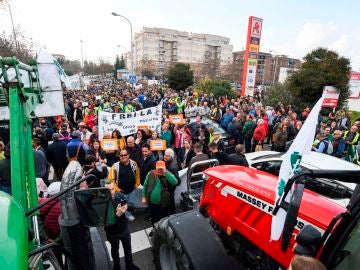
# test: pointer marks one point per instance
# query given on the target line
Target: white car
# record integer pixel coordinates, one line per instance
(339, 192)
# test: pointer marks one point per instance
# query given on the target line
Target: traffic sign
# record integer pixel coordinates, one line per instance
(132, 79)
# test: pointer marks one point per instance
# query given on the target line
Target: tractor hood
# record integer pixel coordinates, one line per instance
(241, 200)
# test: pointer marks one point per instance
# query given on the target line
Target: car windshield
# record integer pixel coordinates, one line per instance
(275, 155)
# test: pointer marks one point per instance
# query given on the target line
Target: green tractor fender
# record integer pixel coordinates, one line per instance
(14, 245)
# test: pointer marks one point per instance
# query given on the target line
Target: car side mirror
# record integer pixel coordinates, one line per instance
(95, 206)
(307, 241)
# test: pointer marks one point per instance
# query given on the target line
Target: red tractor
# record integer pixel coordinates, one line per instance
(231, 229)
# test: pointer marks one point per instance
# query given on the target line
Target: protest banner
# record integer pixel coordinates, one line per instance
(109, 144)
(128, 123)
(157, 145)
(176, 119)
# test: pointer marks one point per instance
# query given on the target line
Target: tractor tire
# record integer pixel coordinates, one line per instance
(167, 249)
(50, 261)
(100, 252)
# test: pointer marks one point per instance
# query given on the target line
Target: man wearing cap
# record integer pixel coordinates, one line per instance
(156, 191)
(56, 155)
(49, 215)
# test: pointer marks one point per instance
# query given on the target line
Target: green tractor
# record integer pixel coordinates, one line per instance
(21, 245)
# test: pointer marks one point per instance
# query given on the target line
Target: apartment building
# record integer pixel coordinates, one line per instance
(156, 49)
(269, 67)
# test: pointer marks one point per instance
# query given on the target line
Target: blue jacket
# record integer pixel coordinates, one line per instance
(227, 118)
(71, 149)
(339, 148)
(141, 99)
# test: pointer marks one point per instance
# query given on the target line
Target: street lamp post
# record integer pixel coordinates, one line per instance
(131, 39)
(81, 50)
(120, 46)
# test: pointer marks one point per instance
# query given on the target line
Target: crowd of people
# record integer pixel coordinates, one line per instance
(136, 171)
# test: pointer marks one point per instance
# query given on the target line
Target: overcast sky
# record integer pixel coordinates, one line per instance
(290, 27)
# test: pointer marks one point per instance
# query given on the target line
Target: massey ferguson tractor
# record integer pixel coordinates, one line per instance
(231, 229)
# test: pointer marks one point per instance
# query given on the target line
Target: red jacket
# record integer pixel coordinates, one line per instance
(259, 133)
(266, 125)
(50, 215)
(90, 120)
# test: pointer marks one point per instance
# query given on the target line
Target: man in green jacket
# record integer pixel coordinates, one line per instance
(156, 191)
(166, 135)
(248, 131)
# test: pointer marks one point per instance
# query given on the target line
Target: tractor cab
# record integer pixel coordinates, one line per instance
(338, 246)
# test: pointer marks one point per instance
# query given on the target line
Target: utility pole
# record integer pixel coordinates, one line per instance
(13, 27)
(276, 64)
(276, 58)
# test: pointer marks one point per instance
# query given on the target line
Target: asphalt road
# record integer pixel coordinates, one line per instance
(140, 242)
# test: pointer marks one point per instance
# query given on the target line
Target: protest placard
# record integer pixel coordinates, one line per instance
(109, 144)
(157, 145)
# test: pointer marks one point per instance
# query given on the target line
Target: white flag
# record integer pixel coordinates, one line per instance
(50, 76)
(49, 72)
(301, 145)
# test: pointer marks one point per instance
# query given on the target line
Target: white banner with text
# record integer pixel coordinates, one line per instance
(128, 123)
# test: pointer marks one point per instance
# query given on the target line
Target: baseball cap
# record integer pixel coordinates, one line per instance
(54, 188)
(160, 164)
